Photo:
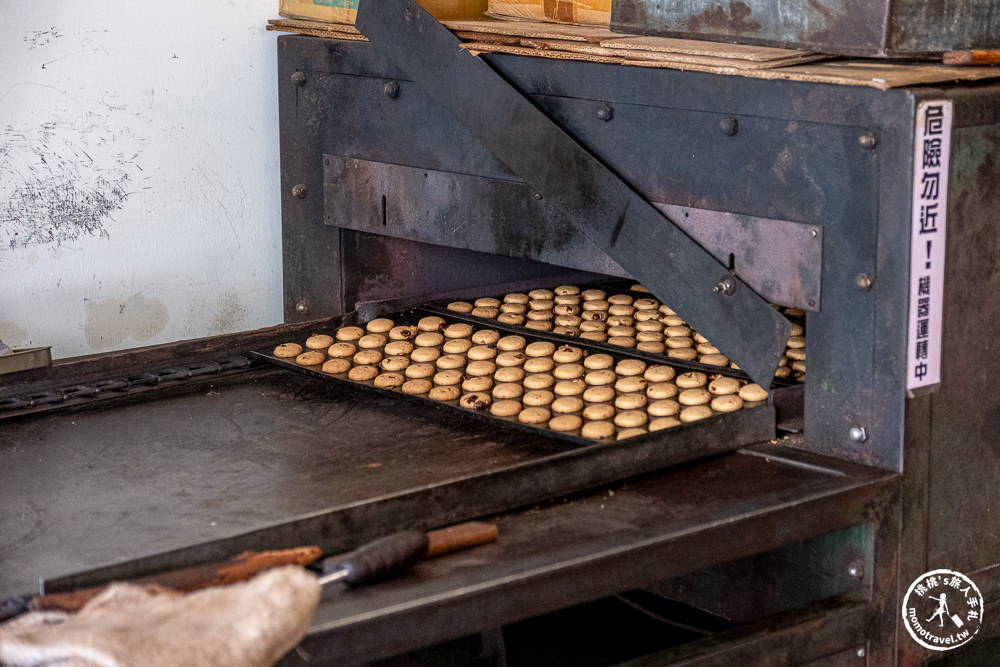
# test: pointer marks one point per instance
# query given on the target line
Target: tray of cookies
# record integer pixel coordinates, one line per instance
(519, 378)
(619, 314)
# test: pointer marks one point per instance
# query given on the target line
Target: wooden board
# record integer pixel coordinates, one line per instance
(701, 48)
(535, 29)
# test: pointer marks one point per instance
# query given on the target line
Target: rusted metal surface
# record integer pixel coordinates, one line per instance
(848, 27)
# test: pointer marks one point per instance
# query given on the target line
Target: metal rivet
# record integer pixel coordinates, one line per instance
(729, 126)
(856, 570)
(326, 161)
(859, 433)
(299, 78)
(726, 285)
(301, 307)
(300, 191)
(862, 652)
(812, 303)
(391, 90)
(813, 233)
(537, 195)
(605, 113)
(863, 282)
(868, 140)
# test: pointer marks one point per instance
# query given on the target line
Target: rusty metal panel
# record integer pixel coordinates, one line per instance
(850, 27)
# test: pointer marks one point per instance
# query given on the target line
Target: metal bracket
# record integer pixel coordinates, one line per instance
(618, 220)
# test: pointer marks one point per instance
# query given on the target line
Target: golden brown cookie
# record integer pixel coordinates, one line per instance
(598, 362)
(631, 384)
(537, 397)
(425, 355)
(420, 371)
(362, 373)
(507, 408)
(393, 364)
(573, 387)
(450, 361)
(663, 408)
(601, 377)
(539, 364)
(457, 330)
(568, 371)
(319, 342)
(443, 392)
(694, 397)
(661, 423)
(541, 293)
(566, 404)
(510, 343)
(631, 418)
(393, 348)
(367, 357)
(534, 415)
(598, 336)
(659, 374)
(380, 325)
(599, 394)
(516, 297)
(476, 401)
(349, 334)
(695, 412)
(510, 359)
(653, 348)
(416, 386)
(509, 374)
(593, 294)
(540, 349)
(627, 433)
(371, 341)
(714, 359)
(485, 312)
(460, 306)
(630, 367)
(430, 323)
(288, 350)
(428, 339)
(539, 381)
(753, 393)
(683, 353)
(635, 401)
(456, 346)
(599, 412)
(727, 403)
(389, 380)
(537, 325)
(476, 384)
(565, 423)
(483, 367)
(448, 378)
(661, 390)
(336, 366)
(566, 290)
(403, 332)
(485, 337)
(598, 430)
(505, 390)
(721, 386)
(567, 354)
(691, 380)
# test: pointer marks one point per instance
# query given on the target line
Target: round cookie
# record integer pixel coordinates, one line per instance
(540, 294)
(593, 325)
(714, 360)
(540, 349)
(593, 294)
(567, 404)
(510, 318)
(598, 336)
(457, 330)
(505, 408)
(630, 367)
(683, 353)
(619, 331)
(538, 325)
(639, 288)
(598, 362)
(371, 341)
(514, 308)
(288, 350)
(510, 343)
(460, 306)
(487, 301)
(568, 371)
(416, 386)
(485, 312)
(534, 415)
(537, 397)
(601, 377)
(646, 303)
(565, 309)
(661, 390)
(677, 331)
(796, 342)
(598, 430)
(510, 359)
(624, 434)
(483, 367)
(593, 316)
(653, 348)
(727, 403)
(424, 355)
(631, 419)
(680, 343)
(362, 373)
(631, 384)
(540, 304)
(380, 325)
(419, 371)
(450, 361)
(310, 358)
(663, 408)
(319, 342)
(565, 423)
(476, 384)
(695, 412)
(389, 380)
(485, 337)
(456, 346)
(442, 393)
(567, 354)
(428, 339)
(707, 348)
(475, 400)
(653, 326)
(753, 393)
(721, 386)
(694, 397)
(635, 401)
(566, 290)
(599, 394)
(367, 357)
(505, 390)
(796, 354)
(509, 374)
(598, 412)
(396, 363)
(403, 332)
(342, 350)
(539, 381)
(621, 341)
(349, 333)
(539, 364)
(572, 387)
(691, 380)
(516, 297)
(567, 321)
(336, 366)
(393, 348)
(430, 323)
(447, 378)
(659, 374)
(661, 423)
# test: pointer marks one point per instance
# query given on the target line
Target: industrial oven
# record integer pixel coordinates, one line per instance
(412, 183)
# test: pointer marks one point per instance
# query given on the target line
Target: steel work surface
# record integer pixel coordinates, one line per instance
(272, 459)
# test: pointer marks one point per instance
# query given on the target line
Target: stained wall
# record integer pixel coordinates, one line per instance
(138, 172)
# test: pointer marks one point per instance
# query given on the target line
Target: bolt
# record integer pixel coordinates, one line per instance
(605, 113)
(299, 78)
(301, 307)
(863, 282)
(859, 434)
(813, 233)
(868, 140)
(861, 652)
(812, 303)
(537, 195)
(856, 570)
(725, 286)
(326, 161)
(300, 191)
(391, 90)
(729, 126)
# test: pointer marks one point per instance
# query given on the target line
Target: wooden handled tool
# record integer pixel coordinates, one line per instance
(972, 57)
(375, 561)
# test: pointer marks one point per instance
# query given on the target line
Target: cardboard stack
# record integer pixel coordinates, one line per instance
(584, 12)
(345, 11)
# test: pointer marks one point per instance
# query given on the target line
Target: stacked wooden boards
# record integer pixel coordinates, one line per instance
(597, 44)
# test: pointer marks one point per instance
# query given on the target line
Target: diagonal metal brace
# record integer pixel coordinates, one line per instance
(636, 235)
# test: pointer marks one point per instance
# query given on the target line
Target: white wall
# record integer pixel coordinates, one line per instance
(139, 173)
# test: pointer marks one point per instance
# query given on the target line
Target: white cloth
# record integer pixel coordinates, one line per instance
(249, 623)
